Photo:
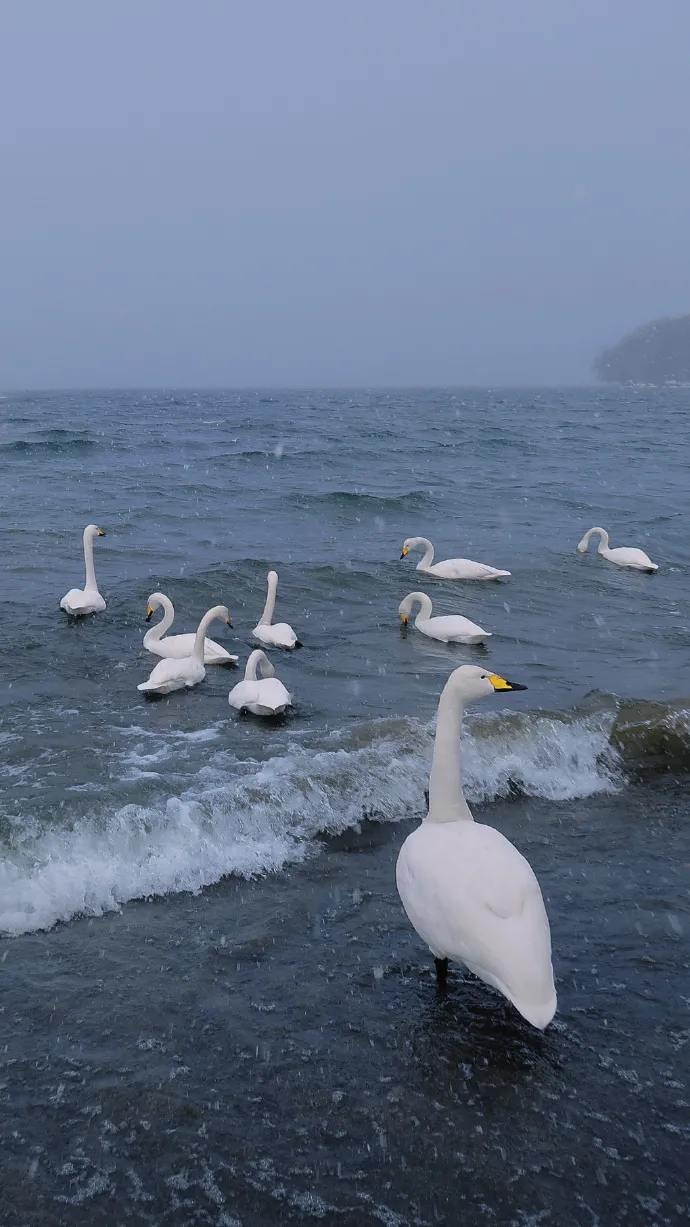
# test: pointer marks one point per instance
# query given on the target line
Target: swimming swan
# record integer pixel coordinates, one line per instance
(177, 646)
(279, 635)
(470, 895)
(452, 568)
(265, 696)
(622, 555)
(175, 674)
(452, 628)
(86, 600)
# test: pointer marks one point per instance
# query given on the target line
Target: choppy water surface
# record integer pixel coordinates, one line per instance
(260, 1051)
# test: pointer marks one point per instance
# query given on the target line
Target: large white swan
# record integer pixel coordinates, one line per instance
(264, 696)
(86, 600)
(471, 896)
(177, 646)
(622, 555)
(278, 635)
(451, 628)
(175, 674)
(452, 568)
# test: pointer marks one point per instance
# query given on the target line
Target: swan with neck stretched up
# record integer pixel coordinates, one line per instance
(264, 696)
(452, 568)
(176, 646)
(278, 634)
(622, 555)
(174, 674)
(468, 892)
(86, 600)
(451, 628)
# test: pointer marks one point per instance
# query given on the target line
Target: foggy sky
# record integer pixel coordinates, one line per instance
(305, 192)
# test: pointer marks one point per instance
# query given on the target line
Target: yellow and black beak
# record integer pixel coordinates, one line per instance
(149, 613)
(403, 619)
(229, 620)
(405, 552)
(101, 533)
(500, 683)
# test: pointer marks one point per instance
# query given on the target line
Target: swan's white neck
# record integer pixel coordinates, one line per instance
(217, 612)
(424, 602)
(429, 551)
(603, 538)
(446, 799)
(265, 619)
(88, 559)
(158, 631)
(258, 659)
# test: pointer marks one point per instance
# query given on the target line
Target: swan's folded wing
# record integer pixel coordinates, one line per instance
(166, 671)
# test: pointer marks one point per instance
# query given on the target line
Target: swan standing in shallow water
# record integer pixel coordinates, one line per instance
(452, 568)
(452, 628)
(470, 895)
(264, 696)
(172, 674)
(177, 646)
(279, 635)
(622, 555)
(86, 600)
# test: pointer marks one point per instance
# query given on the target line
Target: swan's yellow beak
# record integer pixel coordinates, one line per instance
(500, 683)
(229, 620)
(405, 551)
(101, 533)
(403, 619)
(149, 613)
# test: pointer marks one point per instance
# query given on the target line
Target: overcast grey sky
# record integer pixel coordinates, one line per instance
(208, 192)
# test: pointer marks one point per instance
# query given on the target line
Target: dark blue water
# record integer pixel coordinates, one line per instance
(114, 808)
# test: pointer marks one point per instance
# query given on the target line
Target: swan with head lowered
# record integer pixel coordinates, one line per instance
(622, 555)
(175, 674)
(264, 696)
(278, 634)
(176, 646)
(86, 600)
(470, 895)
(452, 568)
(451, 628)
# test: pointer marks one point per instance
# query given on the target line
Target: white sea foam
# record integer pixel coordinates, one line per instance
(247, 817)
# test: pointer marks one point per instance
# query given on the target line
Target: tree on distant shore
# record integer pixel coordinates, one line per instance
(657, 353)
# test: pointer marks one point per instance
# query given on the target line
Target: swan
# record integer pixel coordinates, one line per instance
(176, 673)
(265, 696)
(452, 568)
(278, 635)
(470, 895)
(623, 556)
(452, 628)
(86, 600)
(177, 646)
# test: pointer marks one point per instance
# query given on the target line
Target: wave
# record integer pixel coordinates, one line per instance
(55, 441)
(357, 502)
(248, 818)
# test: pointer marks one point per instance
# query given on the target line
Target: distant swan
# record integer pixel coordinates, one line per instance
(279, 635)
(172, 674)
(451, 628)
(470, 895)
(452, 568)
(265, 696)
(177, 646)
(86, 600)
(622, 555)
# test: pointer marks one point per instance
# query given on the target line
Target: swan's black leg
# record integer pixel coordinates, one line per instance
(441, 972)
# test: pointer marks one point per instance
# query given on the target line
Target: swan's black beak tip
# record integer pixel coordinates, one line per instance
(404, 554)
(516, 686)
(149, 615)
(502, 683)
(228, 621)
(101, 533)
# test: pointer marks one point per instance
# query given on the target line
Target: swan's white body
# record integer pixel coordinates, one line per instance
(175, 674)
(279, 634)
(470, 895)
(264, 696)
(451, 628)
(452, 568)
(622, 555)
(86, 600)
(174, 647)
